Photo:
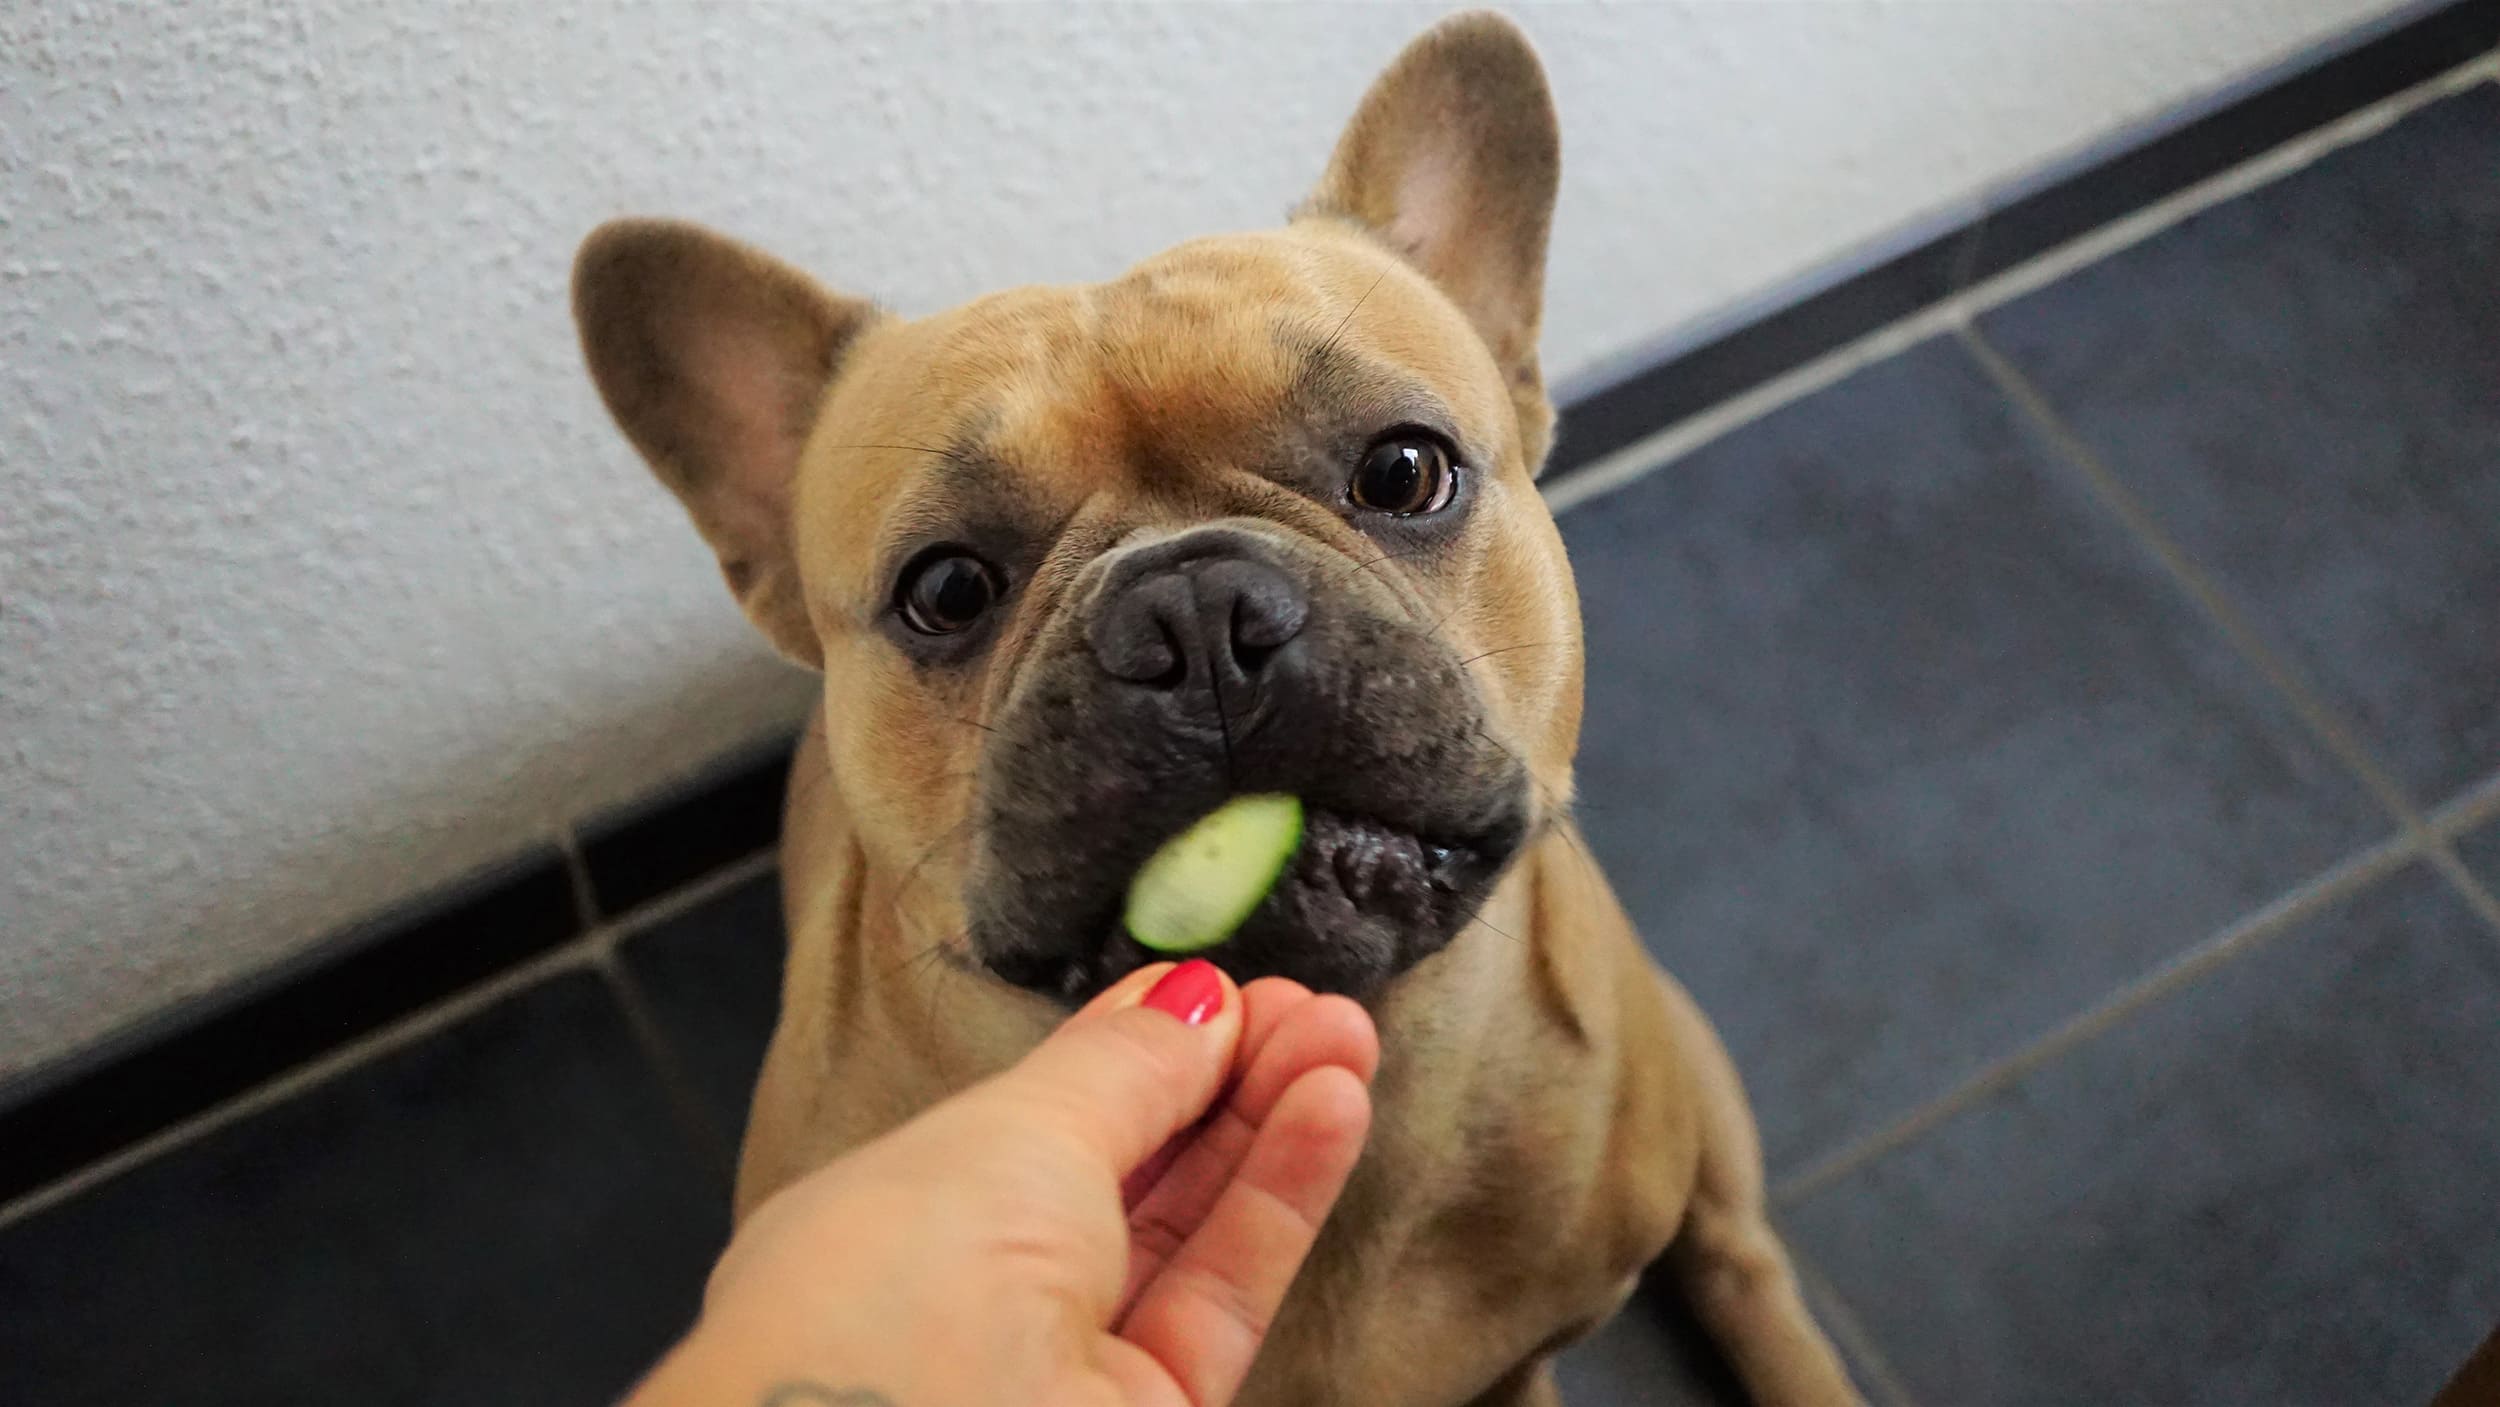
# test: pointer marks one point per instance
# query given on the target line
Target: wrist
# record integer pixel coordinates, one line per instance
(743, 1359)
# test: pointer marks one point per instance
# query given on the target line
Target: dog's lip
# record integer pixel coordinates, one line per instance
(1354, 854)
(1355, 838)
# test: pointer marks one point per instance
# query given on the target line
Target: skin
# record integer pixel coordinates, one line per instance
(1551, 1111)
(1114, 1219)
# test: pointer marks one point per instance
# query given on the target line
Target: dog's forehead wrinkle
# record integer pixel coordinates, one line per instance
(968, 481)
(1343, 382)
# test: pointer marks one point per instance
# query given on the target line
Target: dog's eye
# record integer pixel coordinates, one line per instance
(945, 590)
(1404, 474)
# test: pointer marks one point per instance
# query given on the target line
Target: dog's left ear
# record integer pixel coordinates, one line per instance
(1453, 159)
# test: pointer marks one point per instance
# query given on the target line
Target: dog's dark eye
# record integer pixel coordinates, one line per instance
(1405, 475)
(945, 590)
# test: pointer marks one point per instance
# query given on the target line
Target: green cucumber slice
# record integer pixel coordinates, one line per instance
(1194, 891)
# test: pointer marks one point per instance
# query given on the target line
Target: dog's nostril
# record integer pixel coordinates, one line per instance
(1176, 669)
(1253, 638)
(1263, 609)
(1263, 620)
(1139, 634)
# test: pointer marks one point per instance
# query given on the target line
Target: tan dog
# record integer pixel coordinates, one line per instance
(1258, 515)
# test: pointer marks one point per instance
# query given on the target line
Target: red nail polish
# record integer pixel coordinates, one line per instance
(1192, 992)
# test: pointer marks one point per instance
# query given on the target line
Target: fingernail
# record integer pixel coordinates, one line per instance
(1192, 992)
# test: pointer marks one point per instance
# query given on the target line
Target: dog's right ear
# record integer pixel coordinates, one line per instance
(714, 359)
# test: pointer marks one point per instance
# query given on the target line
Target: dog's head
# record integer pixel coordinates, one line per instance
(1079, 563)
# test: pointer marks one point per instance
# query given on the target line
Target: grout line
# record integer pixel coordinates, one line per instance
(666, 1064)
(1849, 1333)
(1654, 451)
(2322, 721)
(2469, 886)
(2468, 809)
(685, 1099)
(577, 874)
(2249, 933)
(2449, 823)
(594, 950)
(278, 1088)
(1637, 460)
(651, 913)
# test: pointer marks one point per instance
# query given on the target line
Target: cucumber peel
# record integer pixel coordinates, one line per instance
(1204, 882)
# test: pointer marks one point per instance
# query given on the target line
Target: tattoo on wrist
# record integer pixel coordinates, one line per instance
(804, 1394)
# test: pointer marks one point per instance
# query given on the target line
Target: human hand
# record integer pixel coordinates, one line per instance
(1113, 1220)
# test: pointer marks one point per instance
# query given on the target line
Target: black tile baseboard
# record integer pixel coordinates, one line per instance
(67, 1117)
(1687, 381)
(664, 842)
(2053, 207)
(2290, 103)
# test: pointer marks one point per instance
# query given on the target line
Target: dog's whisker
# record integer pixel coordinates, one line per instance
(1559, 814)
(1507, 649)
(801, 784)
(1408, 601)
(939, 962)
(907, 448)
(961, 830)
(1561, 818)
(902, 887)
(1013, 742)
(924, 955)
(1367, 564)
(1478, 920)
(1329, 347)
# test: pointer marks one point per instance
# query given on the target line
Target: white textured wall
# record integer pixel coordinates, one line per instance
(322, 578)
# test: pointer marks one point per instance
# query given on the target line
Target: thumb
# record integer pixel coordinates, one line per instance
(1140, 1063)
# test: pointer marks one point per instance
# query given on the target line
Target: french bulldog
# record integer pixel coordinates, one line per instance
(1258, 515)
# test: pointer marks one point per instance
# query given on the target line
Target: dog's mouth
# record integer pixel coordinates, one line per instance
(1363, 899)
(1412, 805)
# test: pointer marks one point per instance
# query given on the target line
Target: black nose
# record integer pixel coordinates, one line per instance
(1203, 608)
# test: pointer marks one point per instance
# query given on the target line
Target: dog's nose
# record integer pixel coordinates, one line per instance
(1196, 608)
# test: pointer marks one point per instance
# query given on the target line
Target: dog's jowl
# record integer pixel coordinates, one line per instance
(1259, 515)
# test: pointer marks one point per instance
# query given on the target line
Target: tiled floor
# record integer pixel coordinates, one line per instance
(503, 1213)
(2274, 1187)
(2023, 747)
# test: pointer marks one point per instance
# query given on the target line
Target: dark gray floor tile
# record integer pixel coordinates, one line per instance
(2480, 849)
(502, 1213)
(1652, 1354)
(1900, 752)
(713, 978)
(2301, 385)
(2273, 1188)
(1656, 1354)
